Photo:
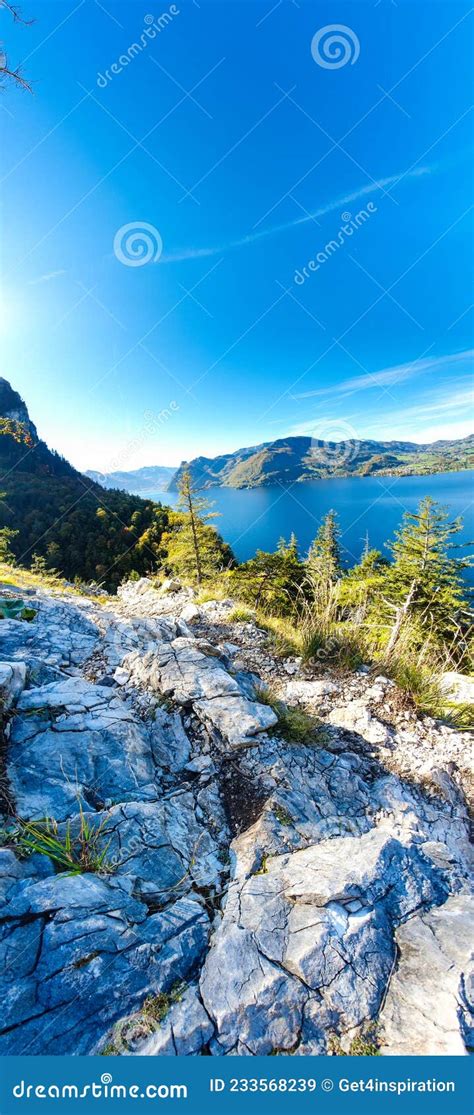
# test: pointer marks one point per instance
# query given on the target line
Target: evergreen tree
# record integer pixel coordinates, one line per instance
(323, 565)
(270, 581)
(195, 550)
(324, 557)
(39, 565)
(288, 549)
(424, 584)
(6, 537)
(361, 584)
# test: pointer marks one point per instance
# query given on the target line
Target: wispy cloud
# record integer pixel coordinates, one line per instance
(448, 415)
(46, 278)
(445, 413)
(387, 377)
(330, 207)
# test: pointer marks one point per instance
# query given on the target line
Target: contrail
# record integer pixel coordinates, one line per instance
(382, 184)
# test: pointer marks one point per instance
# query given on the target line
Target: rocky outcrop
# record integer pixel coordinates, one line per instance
(430, 1002)
(233, 891)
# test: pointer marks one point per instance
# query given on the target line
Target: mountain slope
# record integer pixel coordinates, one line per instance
(63, 516)
(292, 459)
(140, 481)
(217, 471)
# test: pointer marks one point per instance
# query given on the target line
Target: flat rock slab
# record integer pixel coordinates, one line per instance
(430, 993)
(181, 671)
(81, 950)
(237, 718)
(312, 927)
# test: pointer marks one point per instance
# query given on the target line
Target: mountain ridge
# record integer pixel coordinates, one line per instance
(295, 459)
(56, 513)
(146, 480)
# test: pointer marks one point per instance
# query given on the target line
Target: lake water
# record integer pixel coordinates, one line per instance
(256, 518)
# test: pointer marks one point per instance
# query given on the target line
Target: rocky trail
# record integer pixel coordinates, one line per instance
(251, 895)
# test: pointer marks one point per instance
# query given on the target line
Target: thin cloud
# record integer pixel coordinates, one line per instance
(448, 409)
(262, 234)
(46, 278)
(386, 377)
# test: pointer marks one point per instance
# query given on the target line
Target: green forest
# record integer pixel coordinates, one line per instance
(49, 511)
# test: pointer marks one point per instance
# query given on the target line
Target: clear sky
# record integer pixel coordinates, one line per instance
(247, 156)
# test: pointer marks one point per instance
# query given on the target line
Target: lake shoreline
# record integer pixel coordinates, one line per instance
(256, 518)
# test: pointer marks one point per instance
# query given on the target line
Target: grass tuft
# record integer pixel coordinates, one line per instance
(241, 615)
(294, 724)
(74, 852)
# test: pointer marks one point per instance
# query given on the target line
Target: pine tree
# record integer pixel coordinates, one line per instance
(195, 550)
(288, 549)
(323, 565)
(6, 537)
(324, 558)
(271, 581)
(425, 582)
(39, 565)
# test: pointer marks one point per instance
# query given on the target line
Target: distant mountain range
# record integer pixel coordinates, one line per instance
(142, 482)
(295, 459)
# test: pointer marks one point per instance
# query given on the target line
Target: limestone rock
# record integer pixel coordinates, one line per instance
(428, 991)
(12, 682)
(458, 687)
(275, 879)
(356, 717)
(183, 1033)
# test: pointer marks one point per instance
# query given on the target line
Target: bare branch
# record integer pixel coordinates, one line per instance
(6, 73)
(16, 13)
(13, 75)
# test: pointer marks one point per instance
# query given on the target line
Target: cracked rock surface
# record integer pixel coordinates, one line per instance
(243, 894)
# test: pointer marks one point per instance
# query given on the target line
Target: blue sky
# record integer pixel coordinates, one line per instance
(249, 159)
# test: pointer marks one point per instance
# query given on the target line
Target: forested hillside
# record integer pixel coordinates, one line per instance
(52, 511)
(294, 459)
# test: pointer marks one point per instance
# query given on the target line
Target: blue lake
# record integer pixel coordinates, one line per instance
(256, 518)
